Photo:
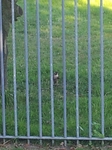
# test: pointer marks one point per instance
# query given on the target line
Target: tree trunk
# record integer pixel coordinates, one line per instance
(6, 22)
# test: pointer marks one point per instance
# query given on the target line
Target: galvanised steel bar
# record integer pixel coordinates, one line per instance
(26, 64)
(102, 66)
(64, 69)
(58, 138)
(39, 70)
(89, 70)
(76, 69)
(51, 67)
(14, 68)
(2, 74)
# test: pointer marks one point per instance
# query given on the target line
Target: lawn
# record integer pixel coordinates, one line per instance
(58, 66)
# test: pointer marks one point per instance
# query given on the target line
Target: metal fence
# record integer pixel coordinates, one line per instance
(16, 100)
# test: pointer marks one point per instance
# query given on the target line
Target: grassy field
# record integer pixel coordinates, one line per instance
(57, 65)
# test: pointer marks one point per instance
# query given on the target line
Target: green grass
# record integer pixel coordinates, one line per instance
(57, 65)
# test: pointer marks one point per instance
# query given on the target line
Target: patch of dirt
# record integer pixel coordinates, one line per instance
(23, 146)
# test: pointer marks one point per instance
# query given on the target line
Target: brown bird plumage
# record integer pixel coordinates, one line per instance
(55, 77)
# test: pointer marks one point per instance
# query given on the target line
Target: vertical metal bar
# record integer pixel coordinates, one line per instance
(102, 66)
(26, 63)
(76, 74)
(51, 68)
(89, 70)
(39, 70)
(14, 68)
(64, 68)
(2, 73)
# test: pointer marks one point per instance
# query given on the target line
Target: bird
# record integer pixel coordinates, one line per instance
(55, 78)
